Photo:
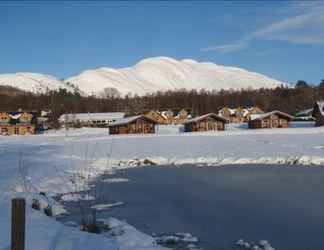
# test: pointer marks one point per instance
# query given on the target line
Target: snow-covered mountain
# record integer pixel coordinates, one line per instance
(148, 75)
(33, 82)
(163, 73)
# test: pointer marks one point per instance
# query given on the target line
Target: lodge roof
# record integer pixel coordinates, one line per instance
(199, 118)
(320, 105)
(265, 115)
(90, 116)
(17, 114)
(233, 111)
(130, 119)
(306, 112)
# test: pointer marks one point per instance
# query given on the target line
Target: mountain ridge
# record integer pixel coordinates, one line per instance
(147, 76)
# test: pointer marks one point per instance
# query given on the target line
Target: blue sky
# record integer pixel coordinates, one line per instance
(284, 40)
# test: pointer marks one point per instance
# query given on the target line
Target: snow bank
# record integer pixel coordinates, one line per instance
(77, 197)
(128, 237)
(178, 240)
(261, 245)
(100, 207)
(115, 180)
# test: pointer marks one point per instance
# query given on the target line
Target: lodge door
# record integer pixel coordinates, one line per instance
(274, 123)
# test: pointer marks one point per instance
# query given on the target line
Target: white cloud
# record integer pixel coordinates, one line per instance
(304, 27)
(227, 47)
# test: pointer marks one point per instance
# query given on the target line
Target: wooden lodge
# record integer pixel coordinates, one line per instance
(274, 119)
(168, 117)
(168, 114)
(133, 125)
(255, 110)
(158, 117)
(208, 122)
(181, 117)
(18, 123)
(318, 113)
(239, 115)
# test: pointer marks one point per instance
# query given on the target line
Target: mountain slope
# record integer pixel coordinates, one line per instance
(33, 82)
(163, 73)
(148, 75)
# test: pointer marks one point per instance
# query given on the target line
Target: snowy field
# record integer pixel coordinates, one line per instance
(63, 161)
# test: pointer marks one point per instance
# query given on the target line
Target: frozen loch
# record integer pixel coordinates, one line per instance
(220, 205)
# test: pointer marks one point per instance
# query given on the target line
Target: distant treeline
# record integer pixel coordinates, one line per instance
(287, 99)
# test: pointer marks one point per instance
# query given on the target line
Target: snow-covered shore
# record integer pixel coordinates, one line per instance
(58, 162)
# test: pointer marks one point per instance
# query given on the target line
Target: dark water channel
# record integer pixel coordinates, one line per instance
(219, 205)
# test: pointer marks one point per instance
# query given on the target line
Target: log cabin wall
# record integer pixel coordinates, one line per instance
(181, 117)
(317, 114)
(22, 125)
(17, 129)
(273, 121)
(207, 124)
(138, 126)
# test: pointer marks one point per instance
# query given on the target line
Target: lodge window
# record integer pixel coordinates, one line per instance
(17, 130)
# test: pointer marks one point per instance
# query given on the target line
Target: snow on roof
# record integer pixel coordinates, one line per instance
(232, 111)
(16, 116)
(198, 118)
(83, 117)
(168, 113)
(164, 115)
(320, 105)
(306, 112)
(275, 112)
(45, 113)
(246, 112)
(126, 120)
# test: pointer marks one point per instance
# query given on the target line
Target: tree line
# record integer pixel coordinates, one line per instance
(197, 102)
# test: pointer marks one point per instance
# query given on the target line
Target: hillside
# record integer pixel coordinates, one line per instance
(147, 76)
(163, 73)
(32, 82)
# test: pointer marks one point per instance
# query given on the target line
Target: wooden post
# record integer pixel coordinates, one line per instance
(18, 224)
